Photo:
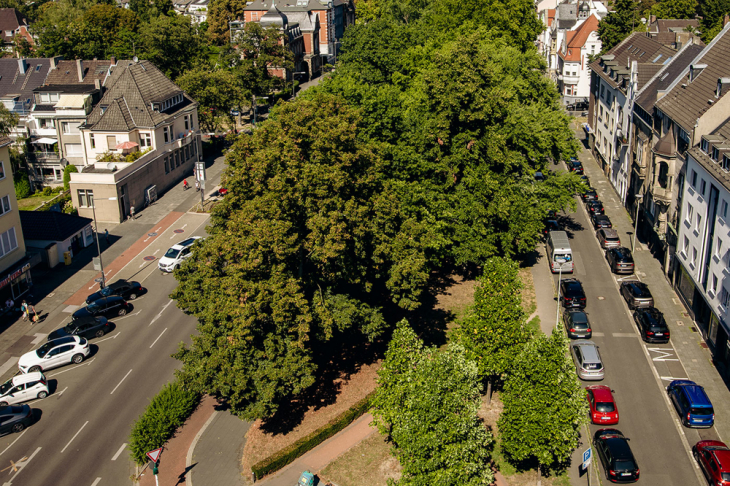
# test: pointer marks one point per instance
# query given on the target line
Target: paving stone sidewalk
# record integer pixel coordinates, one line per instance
(218, 452)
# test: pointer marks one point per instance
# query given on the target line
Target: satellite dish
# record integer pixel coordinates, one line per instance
(135, 59)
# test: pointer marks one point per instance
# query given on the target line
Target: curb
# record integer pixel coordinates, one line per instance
(189, 457)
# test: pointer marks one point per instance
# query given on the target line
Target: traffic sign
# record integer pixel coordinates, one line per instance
(155, 455)
(587, 457)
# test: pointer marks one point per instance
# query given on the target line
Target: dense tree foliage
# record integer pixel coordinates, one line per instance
(619, 23)
(713, 13)
(220, 12)
(544, 405)
(426, 403)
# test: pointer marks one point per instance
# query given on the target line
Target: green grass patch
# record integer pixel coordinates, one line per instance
(502, 463)
(534, 325)
(34, 202)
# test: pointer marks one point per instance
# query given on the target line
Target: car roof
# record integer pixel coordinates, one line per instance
(27, 377)
(602, 393)
(14, 409)
(722, 454)
(64, 340)
(636, 286)
(609, 232)
(186, 242)
(619, 447)
(119, 283)
(589, 350)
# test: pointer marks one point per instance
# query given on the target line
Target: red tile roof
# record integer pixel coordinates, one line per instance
(576, 39)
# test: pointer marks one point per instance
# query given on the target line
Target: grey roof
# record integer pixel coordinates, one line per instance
(66, 88)
(647, 96)
(12, 83)
(307, 21)
(686, 104)
(666, 145)
(713, 168)
(273, 17)
(288, 5)
(51, 225)
(66, 72)
(673, 25)
(10, 19)
(128, 102)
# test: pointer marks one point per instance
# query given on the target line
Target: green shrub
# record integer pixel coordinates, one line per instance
(47, 191)
(22, 184)
(288, 454)
(67, 175)
(167, 411)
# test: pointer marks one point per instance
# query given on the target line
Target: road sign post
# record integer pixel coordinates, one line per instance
(587, 455)
(154, 456)
(200, 177)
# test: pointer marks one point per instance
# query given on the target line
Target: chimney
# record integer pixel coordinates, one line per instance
(97, 84)
(725, 20)
(652, 19)
(22, 65)
(722, 86)
(54, 61)
(114, 60)
(80, 70)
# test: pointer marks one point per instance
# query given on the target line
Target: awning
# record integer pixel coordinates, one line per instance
(72, 101)
(50, 141)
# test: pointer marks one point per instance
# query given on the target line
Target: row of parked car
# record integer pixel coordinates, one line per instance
(69, 344)
(689, 399)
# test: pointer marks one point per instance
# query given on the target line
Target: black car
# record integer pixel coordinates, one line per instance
(620, 260)
(595, 207)
(122, 288)
(552, 225)
(575, 166)
(15, 418)
(636, 294)
(86, 326)
(106, 306)
(601, 221)
(589, 195)
(576, 324)
(572, 294)
(616, 456)
(652, 325)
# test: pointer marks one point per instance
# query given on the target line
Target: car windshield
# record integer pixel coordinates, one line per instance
(701, 410)
(106, 291)
(562, 257)
(93, 307)
(172, 253)
(625, 466)
(43, 350)
(69, 328)
(612, 238)
(605, 407)
(725, 476)
(5, 387)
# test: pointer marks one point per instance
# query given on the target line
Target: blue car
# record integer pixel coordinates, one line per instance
(692, 404)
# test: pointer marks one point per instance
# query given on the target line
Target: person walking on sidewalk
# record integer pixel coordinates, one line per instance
(197, 186)
(185, 185)
(24, 309)
(106, 235)
(34, 318)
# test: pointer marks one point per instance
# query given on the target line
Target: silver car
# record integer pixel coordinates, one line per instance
(587, 360)
(608, 238)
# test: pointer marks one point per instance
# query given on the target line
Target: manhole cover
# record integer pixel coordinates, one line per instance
(149, 258)
(179, 231)
(151, 234)
(601, 298)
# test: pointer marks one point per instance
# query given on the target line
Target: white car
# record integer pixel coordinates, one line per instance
(55, 353)
(176, 254)
(23, 387)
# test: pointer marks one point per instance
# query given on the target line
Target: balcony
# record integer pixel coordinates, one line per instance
(661, 195)
(43, 132)
(44, 157)
(182, 140)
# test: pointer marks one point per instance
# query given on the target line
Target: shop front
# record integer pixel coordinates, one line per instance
(16, 282)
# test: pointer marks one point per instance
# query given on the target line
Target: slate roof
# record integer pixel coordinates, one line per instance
(129, 100)
(5, 141)
(66, 72)
(672, 25)
(713, 168)
(66, 88)
(51, 225)
(666, 145)
(10, 19)
(686, 105)
(308, 22)
(576, 39)
(13, 84)
(647, 96)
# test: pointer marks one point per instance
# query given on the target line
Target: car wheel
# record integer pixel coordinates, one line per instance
(78, 358)
(132, 296)
(122, 311)
(99, 333)
(42, 394)
(18, 428)
(3, 404)
(33, 369)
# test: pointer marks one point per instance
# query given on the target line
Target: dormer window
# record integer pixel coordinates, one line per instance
(103, 108)
(715, 154)
(726, 163)
(705, 146)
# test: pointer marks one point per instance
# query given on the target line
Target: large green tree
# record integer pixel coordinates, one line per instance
(544, 405)
(427, 402)
(217, 92)
(619, 23)
(220, 12)
(171, 43)
(713, 14)
(675, 9)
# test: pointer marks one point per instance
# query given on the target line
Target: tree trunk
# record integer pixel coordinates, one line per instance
(539, 479)
(489, 391)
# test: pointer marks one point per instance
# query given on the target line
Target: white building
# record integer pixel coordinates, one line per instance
(574, 82)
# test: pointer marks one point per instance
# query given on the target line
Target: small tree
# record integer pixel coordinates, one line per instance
(544, 405)
(22, 184)
(67, 175)
(494, 331)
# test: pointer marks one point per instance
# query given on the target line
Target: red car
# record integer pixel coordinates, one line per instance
(603, 407)
(713, 457)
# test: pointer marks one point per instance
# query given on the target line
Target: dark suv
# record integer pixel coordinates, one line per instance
(652, 326)
(616, 456)
(620, 260)
(595, 207)
(575, 166)
(577, 324)
(122, 288)
(87, 327)
(572, 294)
(106, 306)
(636, 294)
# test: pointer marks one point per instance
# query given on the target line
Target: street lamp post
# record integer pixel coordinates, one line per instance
(294, 93)
(557, 311)
(638, 198)
(102, 284)
(253, 106)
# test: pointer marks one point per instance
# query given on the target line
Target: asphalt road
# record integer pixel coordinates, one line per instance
(636, 371)
(84, 424)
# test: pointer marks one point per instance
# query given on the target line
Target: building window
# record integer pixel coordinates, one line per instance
(724, 297)
(705, 146)
(86, 198)
(682, 141)
(2, 170)
(685, 245)
(65, 127)
(166, 134)
(145, 140)
(690, 212)
(726, 162)
(698, 221)
(187, 122)
(177, 158)
(93, 143)
(4, 204)
(111, 142)
(694, 257)
(694, 179)
(8, 242)
(603, 91)
(715, 154)
(73, 150)
(713, 287)
(167, 166)
(724, 208)
(703, 186)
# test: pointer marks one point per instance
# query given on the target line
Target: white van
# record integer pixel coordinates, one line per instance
(176, 254)
(22, 388)
(559, 252)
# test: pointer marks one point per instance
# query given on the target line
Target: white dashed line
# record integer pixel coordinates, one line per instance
(72, 438)
(125, 377)
(158, 338)
(119, 452)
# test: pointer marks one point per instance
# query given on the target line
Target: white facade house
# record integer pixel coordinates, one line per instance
(573, 73)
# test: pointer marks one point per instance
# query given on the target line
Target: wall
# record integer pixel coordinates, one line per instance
(715, 115)
(10, 219)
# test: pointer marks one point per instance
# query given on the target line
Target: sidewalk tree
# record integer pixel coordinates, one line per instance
(427, 402)
(220, 12)
(494, 331)
(217, 91)
(544, 405)
(171, 43)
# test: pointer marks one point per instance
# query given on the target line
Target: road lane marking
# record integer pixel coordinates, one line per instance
(126, 315)
(158, 338)
(598, 334)
(663, 353)
(108, 338)
(96, 482)
(77, 366)
(125, 377)
(155, 252)
(671, 378)
(39, 338)
(21, 466)
(72, 438)
(119, 452)
(9, 364)
(13, 442)
(624, 334)
(160, 313)
(61, 393)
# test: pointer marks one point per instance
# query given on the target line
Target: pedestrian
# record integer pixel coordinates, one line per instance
(24, 308)
(131, 212)
(106, 235)
(35, 317)
(197, 186)
(185, 184)
(9, 304)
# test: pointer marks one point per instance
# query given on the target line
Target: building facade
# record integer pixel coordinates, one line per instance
(573, 73)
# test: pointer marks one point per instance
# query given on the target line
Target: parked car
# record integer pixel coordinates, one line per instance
(552, 225)
(713, 458)
(589, 195)
(572, 294)
(174, 257)
(584, 179)
(574, 165)
(636, 294)
(608, 238)
(106, 306)
(576, 324)
(587, 360)
(601, 221)
(122, 288)
(692, 403)
(22, 388)
(65, 350)
(15, 418)
(539, 177)
(595, 207)
(620, 260)
(616, 457)
(651, 324)
(86, 327)
(602, 406)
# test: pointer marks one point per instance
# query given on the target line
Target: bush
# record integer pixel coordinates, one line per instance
(22, 184)
(288, 454)
(67, 175)
(47, 191)
(167, 411)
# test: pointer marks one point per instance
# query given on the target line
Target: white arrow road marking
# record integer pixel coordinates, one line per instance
(108, 338)
(61, 392)
(124, 317)
(72, 438)
(96, 482)
(13, 442)
(155, 253)
(71, 369)
(158, 229)
(143, 264)
(158, 338)
(21, 465)
(125, 377)
(160, 313)
(664, 354)
(185, 225)
(670, 378)
(38, 338)
(119, 452)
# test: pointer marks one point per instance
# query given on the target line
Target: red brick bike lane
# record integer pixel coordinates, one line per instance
(122, 260)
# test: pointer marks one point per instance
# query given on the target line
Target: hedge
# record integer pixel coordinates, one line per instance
(167, 411)
(288, 454)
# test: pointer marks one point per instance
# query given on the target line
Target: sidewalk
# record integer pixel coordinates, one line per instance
(217, 453)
